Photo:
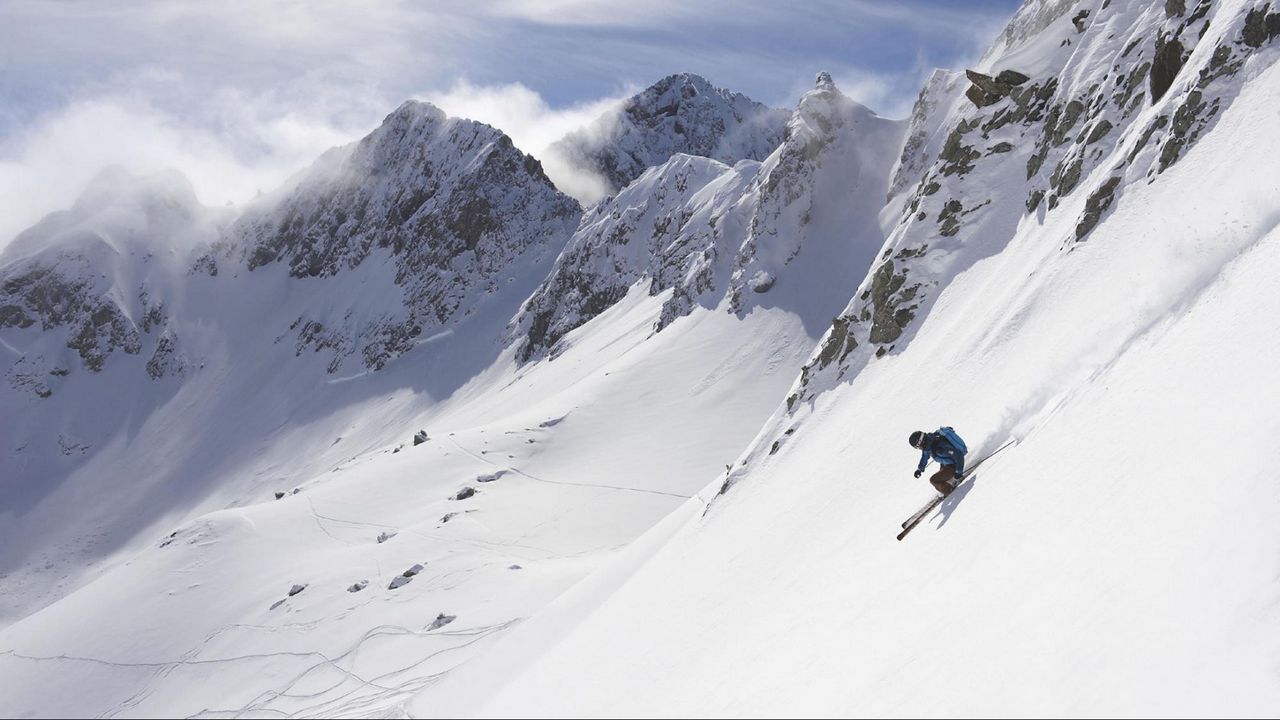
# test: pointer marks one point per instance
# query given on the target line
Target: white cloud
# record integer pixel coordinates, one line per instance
(238, 95)
(242, 147)
(533, 125)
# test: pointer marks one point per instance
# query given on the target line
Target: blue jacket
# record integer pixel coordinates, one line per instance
(937, 447)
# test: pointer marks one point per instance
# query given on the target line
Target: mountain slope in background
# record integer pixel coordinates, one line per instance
(787, 232)
(681, 113)
(272, 491)
(155, 345)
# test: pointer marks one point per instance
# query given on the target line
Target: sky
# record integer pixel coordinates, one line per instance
(239, 95)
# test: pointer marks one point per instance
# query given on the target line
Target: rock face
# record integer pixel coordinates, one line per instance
(710, 234)
(922, 142)
(449, 207)
(1069, 137)
(681, 113)
(98, 278)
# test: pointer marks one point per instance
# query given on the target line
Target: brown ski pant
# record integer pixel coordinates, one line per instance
(942, 480)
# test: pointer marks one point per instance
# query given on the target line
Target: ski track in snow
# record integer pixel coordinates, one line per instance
(565, 482)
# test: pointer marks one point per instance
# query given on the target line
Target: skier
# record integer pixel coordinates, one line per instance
(948, 449)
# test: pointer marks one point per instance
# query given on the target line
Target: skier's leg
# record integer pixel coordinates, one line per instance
(941, 480)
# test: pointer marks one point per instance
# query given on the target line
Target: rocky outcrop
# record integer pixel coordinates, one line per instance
(720, 236)
(921, 146)
(1049, 134)
(82, 276)
(451, 204)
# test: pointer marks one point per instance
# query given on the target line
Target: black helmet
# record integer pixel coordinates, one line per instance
(916, 439)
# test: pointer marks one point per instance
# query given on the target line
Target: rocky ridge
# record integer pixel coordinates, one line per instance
(708, 232)
(1069, 134)
(680, 114)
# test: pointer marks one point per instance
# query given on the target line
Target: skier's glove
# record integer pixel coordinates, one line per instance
(918, 473)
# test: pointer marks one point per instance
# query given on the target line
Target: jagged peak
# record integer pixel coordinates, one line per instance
(823, 102)
(673, 92)
(412, 110)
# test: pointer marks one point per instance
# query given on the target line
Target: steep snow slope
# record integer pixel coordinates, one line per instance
(1118, 561)
(681, 113)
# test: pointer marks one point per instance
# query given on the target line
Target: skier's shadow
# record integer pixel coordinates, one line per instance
(948, 506)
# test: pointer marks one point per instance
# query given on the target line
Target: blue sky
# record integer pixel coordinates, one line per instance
(238, 95)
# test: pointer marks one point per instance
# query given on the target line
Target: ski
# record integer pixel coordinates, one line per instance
(909, 524)
(914, 520)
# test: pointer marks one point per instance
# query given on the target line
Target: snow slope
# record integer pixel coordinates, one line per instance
(277, 463)
(1082, 263)
(1118, 561)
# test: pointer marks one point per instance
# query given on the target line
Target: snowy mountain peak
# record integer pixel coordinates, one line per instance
(784, 233)
(100, 276)
(414, 110)
(446, 208)
(681, 113)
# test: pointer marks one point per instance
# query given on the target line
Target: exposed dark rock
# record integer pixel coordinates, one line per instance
(1033, 200)
(1188, 120)
(1067, 174)
(1099, 131)
(1066, 121)
(979, 98)
(14, 316)
(1035, 162)
(1011, 77)
(1254, 33)
(958, 158)
(164, 360)
(987, 90)
(887, 319)
(949, 218)
(296, 589)
(1079, 19)
(357, 587)
(280, 494)
(464, 493)
(1169, 58)
(838, 344)
(386, 535)
(205, 264)
(420, 437)
(1095, 206)
(1223, 63)
(1174, 8)
(762, 282)
(440, 621)
(1001, 147)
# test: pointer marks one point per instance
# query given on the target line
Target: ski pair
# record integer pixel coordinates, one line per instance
(915, 519)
